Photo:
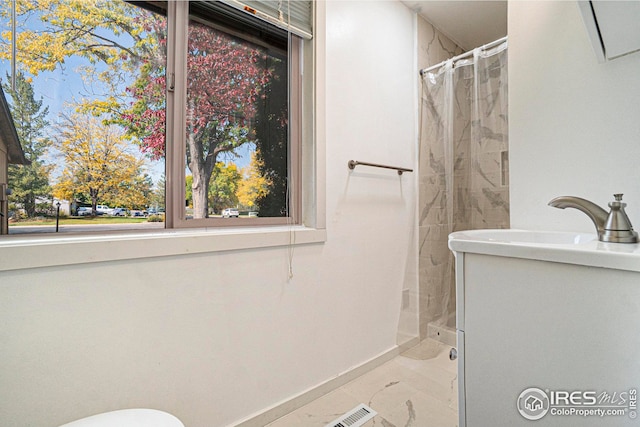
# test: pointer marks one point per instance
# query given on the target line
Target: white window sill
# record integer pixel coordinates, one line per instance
(17, 253)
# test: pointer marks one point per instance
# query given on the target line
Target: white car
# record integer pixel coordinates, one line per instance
(230, 212)
(104, 210)
(84, 211)
(119, 212)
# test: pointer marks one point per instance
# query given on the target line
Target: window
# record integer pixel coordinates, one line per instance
(153, 114)
(237, 150)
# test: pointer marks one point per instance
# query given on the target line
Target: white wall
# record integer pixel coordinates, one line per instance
(574, 124)
(215, 337)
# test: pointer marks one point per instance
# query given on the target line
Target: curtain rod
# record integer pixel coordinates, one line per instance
(464, 55)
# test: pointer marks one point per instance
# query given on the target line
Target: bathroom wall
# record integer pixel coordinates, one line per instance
(574, 123)
(216, 337)
(433, 46)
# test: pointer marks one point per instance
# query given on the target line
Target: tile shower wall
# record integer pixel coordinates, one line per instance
(480, 193)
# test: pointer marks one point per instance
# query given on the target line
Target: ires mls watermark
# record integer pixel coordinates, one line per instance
(534, 403)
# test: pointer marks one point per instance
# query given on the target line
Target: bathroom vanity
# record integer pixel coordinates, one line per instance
(548, 328)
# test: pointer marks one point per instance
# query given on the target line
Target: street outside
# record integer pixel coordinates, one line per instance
(82, 228)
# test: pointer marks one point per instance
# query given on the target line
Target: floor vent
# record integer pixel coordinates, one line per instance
(355, 417)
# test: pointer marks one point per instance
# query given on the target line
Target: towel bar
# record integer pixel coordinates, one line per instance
(353, 163)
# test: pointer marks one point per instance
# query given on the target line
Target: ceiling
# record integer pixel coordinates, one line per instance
(468, 23)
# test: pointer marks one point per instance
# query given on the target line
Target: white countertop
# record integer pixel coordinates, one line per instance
(562, 247)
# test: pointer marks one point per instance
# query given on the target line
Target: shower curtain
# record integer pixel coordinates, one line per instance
(464, 176)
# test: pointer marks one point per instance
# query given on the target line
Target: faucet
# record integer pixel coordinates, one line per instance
(613, 227)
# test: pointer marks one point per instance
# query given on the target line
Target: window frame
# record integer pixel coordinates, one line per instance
(175, 154)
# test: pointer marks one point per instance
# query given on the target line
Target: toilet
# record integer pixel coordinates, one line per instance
(128, 418)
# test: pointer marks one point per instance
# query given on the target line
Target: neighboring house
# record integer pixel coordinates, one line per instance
(10, 153)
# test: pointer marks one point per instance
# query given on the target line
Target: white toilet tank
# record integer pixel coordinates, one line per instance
(128, 418)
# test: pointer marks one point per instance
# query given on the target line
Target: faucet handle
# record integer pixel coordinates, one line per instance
(618, 203)
(618, 228)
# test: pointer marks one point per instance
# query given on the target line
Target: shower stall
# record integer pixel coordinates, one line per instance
(463, 170)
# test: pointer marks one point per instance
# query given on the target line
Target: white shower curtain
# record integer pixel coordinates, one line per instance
(463, 166)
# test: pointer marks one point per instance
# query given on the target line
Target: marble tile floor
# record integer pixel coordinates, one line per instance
(415, 389)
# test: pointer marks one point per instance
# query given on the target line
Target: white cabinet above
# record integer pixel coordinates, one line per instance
(613, 26)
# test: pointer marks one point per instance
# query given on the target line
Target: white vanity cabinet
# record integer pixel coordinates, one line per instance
(548, 317)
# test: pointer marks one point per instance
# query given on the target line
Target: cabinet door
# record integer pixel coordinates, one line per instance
(546, 325)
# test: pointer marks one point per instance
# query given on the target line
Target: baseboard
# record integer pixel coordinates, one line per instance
(283, 408)
(441, 333)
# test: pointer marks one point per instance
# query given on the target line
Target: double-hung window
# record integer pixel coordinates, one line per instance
(154, 114)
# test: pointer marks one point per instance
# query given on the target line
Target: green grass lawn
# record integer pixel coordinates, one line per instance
(82, 220)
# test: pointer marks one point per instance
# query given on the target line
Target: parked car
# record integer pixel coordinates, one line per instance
(103, 210)
(230, 212)
(84, 211)
(119, 212)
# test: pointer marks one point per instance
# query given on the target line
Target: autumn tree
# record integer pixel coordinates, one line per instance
(116, 39)
(135, 193)
(224, 186)
(254, 185)
(29, 182)
(98, 164)
(225, 79)
(93, 30)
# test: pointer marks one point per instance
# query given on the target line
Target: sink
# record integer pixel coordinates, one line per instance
(526, 236)
(554, 246)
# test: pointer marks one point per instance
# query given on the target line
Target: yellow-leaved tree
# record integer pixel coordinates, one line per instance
(254, 184)
(98, 164)
(90, 29)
